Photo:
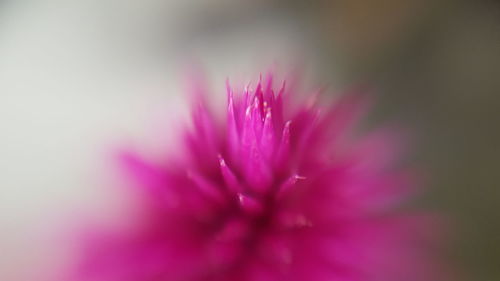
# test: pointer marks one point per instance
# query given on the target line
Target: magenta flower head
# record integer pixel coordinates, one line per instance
(277, 189)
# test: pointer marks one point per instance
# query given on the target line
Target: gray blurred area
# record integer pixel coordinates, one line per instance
(76, 74)
(436, 67)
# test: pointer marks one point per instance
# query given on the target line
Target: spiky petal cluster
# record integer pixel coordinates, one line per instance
(277, 191)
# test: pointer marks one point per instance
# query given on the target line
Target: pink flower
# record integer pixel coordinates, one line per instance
(278, 190)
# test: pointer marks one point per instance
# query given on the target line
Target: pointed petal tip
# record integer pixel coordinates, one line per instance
(249, 204)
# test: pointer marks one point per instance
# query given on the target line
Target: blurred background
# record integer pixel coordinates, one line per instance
(78, 75)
